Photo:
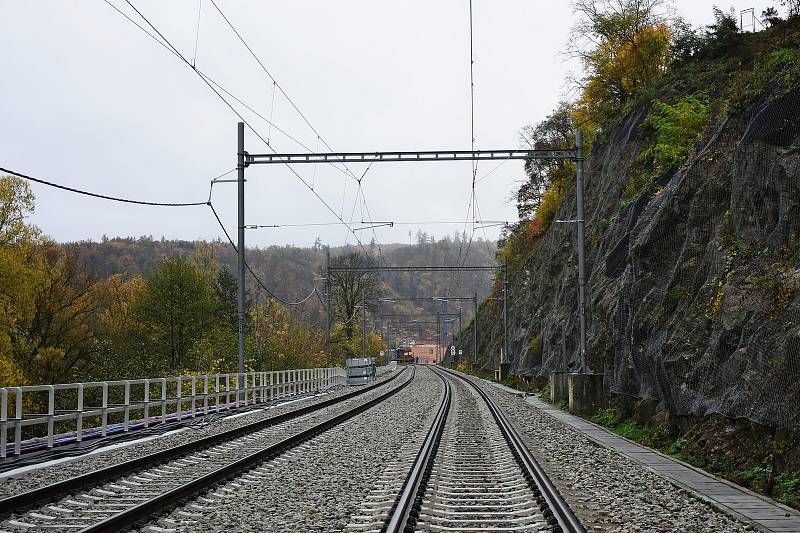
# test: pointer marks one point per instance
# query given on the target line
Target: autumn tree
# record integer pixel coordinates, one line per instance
(60, 339)
(49, 325)
(281, 340)
(124, 347)
(345, 347)
(624, 46)
(18, 270)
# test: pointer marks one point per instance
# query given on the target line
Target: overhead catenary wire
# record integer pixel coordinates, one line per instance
(271, 77)
(157, 204)
(197, 32)
(247, 266)
(483, 227)
(296, 108)
(98, 195)
(471, 209)
(239, 115)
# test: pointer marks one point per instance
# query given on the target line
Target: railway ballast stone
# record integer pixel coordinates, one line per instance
(607, 491)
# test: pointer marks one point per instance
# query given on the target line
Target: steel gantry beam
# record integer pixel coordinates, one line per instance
(406, 315)
(245, 159)
(433, 298)
(430, 268)
(394, 157)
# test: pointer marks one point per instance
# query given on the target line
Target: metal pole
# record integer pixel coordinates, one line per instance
(328, 287)
(240, 182)
(460, 316)
(581, 249)
(505, 314)
(438, 338)
(363, 324)
(444, 329)
(475, 329)
(383, 340)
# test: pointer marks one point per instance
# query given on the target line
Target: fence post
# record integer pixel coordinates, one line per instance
(51, 411)
(127, 409)
(216, 393)
(194, 395)
(178, 398)
(263, 378)
(18, 424)
(3, 422)
(205, 395)
(104, 411)
(163, 400)
(146, 403)
(79, 414)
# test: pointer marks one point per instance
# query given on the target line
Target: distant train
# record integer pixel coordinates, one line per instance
(404, 356)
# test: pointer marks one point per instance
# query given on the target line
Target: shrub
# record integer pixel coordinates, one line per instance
(675, 129)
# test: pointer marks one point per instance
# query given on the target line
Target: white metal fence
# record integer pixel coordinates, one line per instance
(76, 411)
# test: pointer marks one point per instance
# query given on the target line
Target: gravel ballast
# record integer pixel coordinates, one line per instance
(319, 485)
(76, 466)
(607, 491)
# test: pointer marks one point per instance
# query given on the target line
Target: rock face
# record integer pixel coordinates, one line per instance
(694, 295)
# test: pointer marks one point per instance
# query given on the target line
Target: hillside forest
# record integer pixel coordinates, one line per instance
(143, 307)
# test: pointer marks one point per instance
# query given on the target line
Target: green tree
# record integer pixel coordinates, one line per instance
(226, 288)
(176, 307)
(554, 132)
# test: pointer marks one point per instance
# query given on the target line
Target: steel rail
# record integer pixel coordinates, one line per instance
(128, 518)
(406, 501)
(561, 512)
(43, 495)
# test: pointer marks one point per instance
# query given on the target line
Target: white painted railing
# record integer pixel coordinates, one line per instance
(141, 403)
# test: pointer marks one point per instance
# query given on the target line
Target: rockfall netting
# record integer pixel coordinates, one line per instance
(708, 278)
(694, 294)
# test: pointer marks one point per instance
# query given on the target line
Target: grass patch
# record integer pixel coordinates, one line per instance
(661, 439)
(544, 395)
(787, 488)
(760, 478)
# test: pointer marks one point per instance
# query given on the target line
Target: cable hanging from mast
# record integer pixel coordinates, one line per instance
(237, 113)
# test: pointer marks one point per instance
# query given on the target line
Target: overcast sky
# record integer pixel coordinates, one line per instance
(89, 101)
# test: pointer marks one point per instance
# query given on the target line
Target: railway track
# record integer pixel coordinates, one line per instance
(471, 472)
(119, 497)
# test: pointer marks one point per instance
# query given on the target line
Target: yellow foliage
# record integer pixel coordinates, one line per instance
(552, 199)
(10, 374)
(521, 242)
(619, 71)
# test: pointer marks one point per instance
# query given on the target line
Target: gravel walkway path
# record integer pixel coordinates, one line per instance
(318, 486)
(80, 465)
(607, 491)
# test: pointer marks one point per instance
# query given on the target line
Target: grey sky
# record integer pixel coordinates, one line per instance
(91, 102)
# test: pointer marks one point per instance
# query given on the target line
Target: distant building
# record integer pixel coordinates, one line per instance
(427, 352)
